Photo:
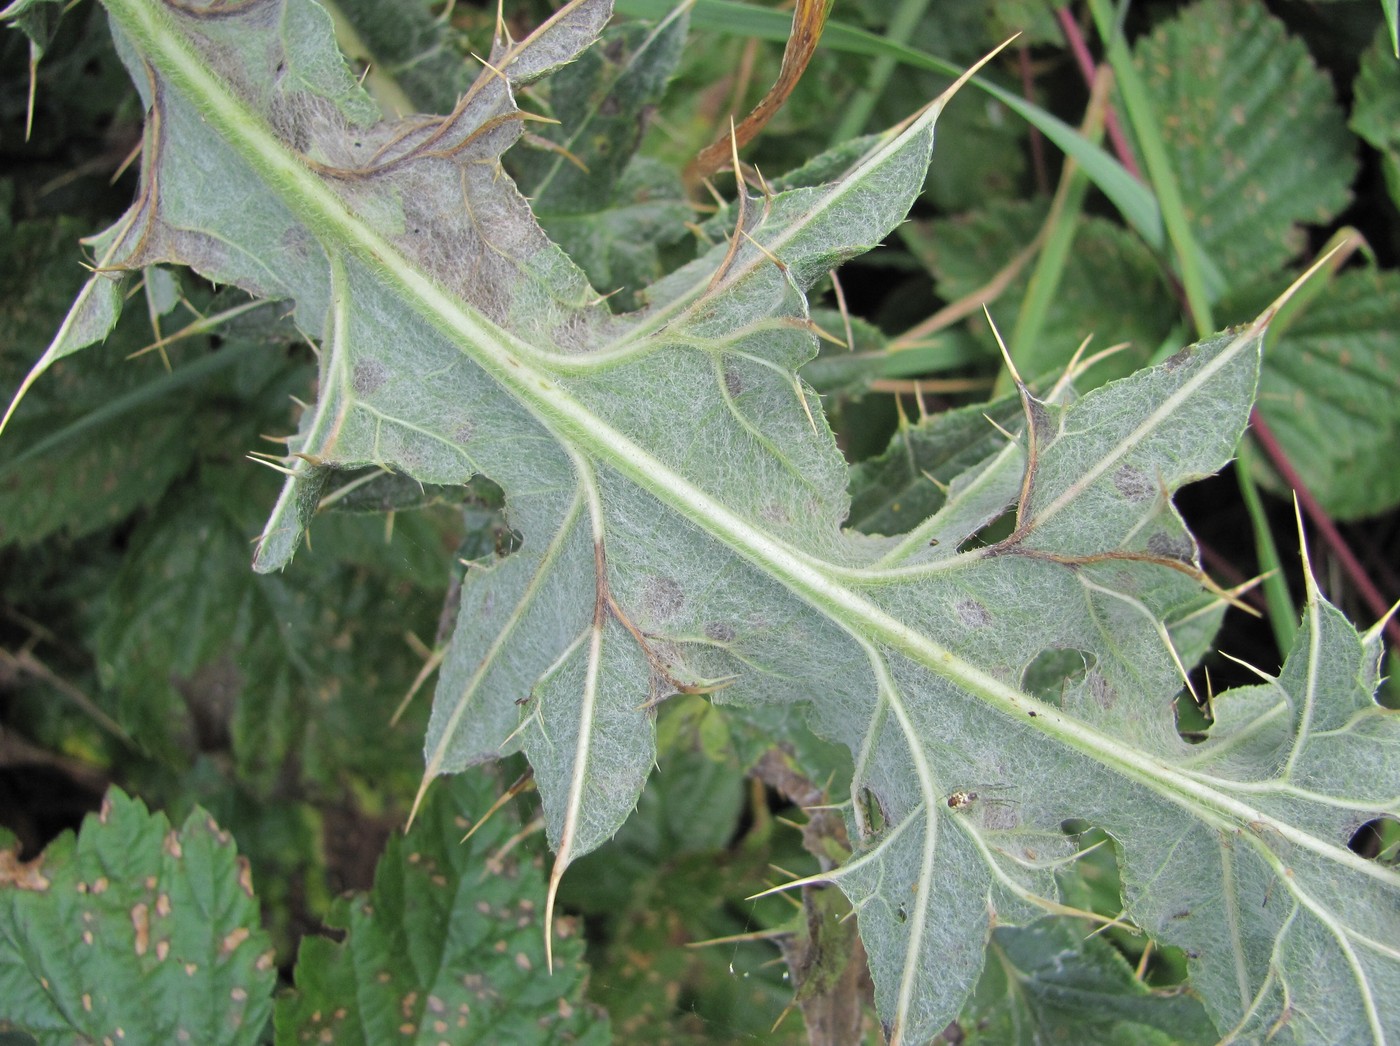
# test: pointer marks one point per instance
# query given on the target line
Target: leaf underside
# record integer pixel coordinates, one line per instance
(681, 502)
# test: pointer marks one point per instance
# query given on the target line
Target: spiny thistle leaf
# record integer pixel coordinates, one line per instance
(681, 503)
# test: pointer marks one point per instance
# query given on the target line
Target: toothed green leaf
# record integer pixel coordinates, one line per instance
(1376, 112)
(1330, 392)
(1111, 291)
(133, 932)
(1256, 139)
(446, 946)
(680, 503)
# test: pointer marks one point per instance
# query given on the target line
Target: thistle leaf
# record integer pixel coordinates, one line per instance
(681, 501)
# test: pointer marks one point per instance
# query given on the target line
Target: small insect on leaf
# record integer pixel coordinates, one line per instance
(963, 799)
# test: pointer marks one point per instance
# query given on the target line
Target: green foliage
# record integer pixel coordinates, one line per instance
(445, 946)
(133, 931)
(1331, 393)
(1042, 981)
(568, 438)
(611, 210)
(1235, 95)
(1110, 283)
(1376, 115)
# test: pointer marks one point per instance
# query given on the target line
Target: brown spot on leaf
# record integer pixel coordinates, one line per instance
(232, 940)
(245, 876)
(172, 845)
(23, 875)
(1169, 547)
(141, 923)
(1000, 817)
(1102, 691)
(774, 513)
(163, 904)
(720, 631)
(1134, 484)
(733, 384)
(662, 598)
(1176, 361)
(972, 613)
(368, 376)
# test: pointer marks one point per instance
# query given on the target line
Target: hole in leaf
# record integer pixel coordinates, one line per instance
(1052, 672)
(873, 821)
(1379, 840)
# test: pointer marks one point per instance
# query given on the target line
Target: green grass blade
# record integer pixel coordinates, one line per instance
(1201, 289)
(1283, 612)
(1131, 198)
(906, 18)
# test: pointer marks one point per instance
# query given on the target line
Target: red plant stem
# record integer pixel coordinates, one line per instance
(1042, 177)
(1370, 595)
(1114, 129)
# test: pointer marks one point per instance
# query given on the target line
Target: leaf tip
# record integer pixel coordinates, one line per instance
(418, 799)
(556, 874)
(1267, 316)
(942, 100)
(1309, 581)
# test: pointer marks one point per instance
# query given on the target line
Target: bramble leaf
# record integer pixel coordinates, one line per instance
(1330, 392)
(445, 947)
(1376, 113)
(134, 932)
(680, 501)
(1236, 95)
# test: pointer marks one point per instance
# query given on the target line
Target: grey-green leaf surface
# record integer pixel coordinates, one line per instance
(681, 502)
(1046, 983)
(446, 946)
(134, 932)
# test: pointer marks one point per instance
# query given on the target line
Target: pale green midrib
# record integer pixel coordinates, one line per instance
(502, 356)
(583, 744)
(923, 887)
